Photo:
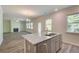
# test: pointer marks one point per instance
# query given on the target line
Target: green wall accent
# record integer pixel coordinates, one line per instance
(6, 26)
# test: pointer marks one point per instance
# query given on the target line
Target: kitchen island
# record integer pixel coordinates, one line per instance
(35, 43)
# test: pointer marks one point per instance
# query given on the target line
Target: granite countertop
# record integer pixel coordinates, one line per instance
(36, 38)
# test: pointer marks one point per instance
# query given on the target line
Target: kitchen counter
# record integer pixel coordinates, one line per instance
(36, 38)
(42, 43)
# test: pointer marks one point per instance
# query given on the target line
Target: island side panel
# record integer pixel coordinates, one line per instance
(24, 46)
(29, 47)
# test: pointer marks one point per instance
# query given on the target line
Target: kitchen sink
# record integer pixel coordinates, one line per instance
(50, 34)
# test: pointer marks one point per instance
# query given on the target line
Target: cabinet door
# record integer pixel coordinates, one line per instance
(53, 45)
(30, 48)
(57, 44)
(60, 37)
(44, 47)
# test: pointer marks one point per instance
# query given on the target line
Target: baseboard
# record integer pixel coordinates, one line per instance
(6, 32)
(71, 43)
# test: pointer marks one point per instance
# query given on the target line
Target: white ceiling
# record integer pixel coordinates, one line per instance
(31, 10)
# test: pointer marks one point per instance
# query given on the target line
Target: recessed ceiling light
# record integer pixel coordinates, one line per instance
(56, 9)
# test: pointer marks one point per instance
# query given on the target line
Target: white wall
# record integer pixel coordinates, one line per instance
(15, 24)
(1, 25)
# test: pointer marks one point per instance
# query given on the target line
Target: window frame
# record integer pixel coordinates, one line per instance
(49, 24)
(68, 23)
(28, 24)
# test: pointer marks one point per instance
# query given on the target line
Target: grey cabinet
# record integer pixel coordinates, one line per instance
(51, 45)
(44, 47)
(60, 37)
(58, 42)
(29, 48)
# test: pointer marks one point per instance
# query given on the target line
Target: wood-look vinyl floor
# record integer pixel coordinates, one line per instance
(69, 48)
(14, 43)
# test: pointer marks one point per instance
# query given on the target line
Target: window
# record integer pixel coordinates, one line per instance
(39, 28)
(73, 23)
(29, 24)
(48, 25)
